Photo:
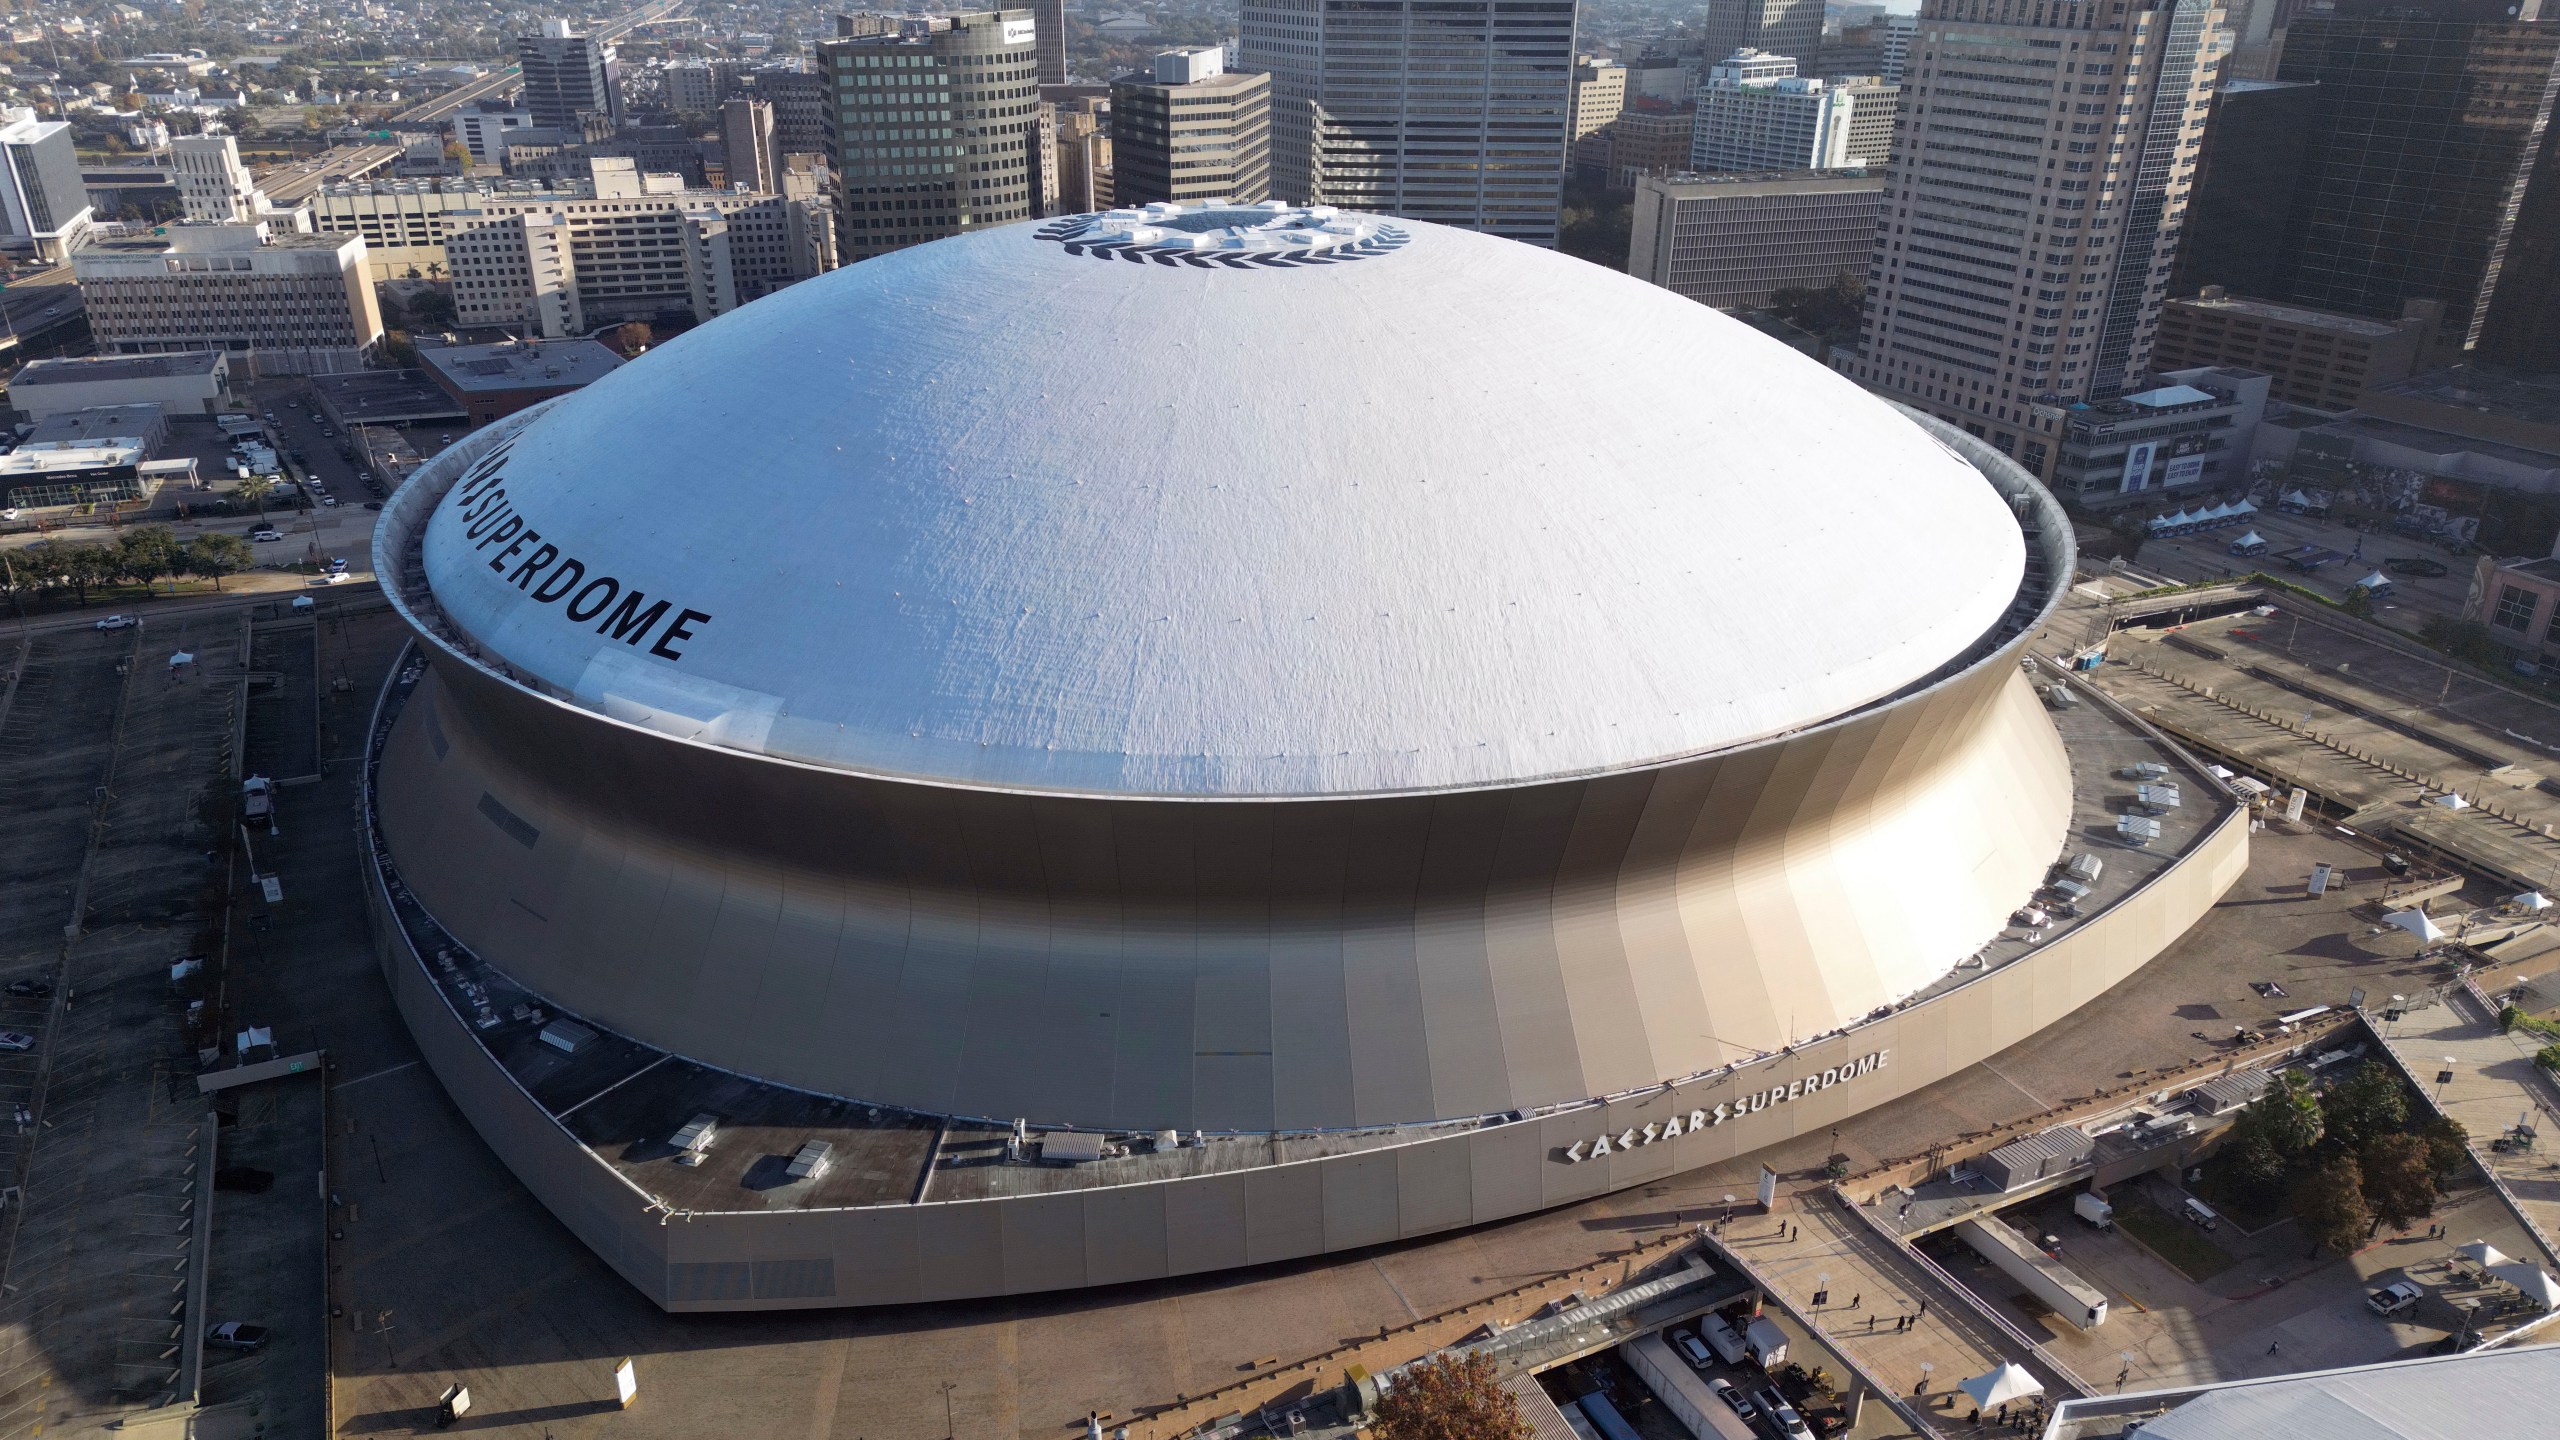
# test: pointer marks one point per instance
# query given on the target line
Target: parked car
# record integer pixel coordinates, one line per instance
(373, 504)
(266, 532)
(31, 989)
(1731, 1394)
(1782, 1417)
(16, 1040)
(2393, 1298)
(117, 622)
(1692, 1349)
(236, 1335)
(2415, 565)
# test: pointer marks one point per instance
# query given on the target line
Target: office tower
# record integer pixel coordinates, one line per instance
(293, 304)
(693, 85)
(1875, 112)
(1792, 28)
(1191, 131)
(2314, 358)
(1732, 241)
(1049, 20)
(930, 127)
(1893, 39)
(1649, 137)
(570, 80)
(2035, 200)
(1599, 93)
(2238, 215)
(44, 205)
(1084, 156)
(213, 186)
(2522, 329)
(2429, 132)
(746, 146)
(799, 100)
(481, 129)
(1671, 79)
(1756, 113)
(1455, 111)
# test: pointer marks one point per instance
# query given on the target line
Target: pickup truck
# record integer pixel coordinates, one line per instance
(2393, 1298)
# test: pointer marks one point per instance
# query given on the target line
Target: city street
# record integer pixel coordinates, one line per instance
(2209, 557)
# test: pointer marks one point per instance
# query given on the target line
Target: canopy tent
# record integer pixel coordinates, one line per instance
(2294, 497)
(2533, 1280)
(2450, 801)
(2375, 581)
(2252, 538)
(2416, 923)
(2010, 1382)
(2481, 1253)
(2244, 508)
(2531, 900)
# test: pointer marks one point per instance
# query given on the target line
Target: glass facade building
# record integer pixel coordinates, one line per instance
(928, 128)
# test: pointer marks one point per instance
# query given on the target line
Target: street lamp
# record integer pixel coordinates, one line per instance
(1925, 1367)
(2444, 1077)
(2121, 1375)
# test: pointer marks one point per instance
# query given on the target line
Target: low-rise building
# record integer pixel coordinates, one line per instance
(1649, 137)
(491, 382)
(74, 472)
(1732, 241)
(194, 382)
(286, 304)
(2188, 431)
(2313, 357)
(1756, 113)
(1599, 93)
(143, 423)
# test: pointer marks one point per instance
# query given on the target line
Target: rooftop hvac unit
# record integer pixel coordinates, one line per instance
(1070, 1147)
(811, 1161)
(567, 1036)
(694, 1140)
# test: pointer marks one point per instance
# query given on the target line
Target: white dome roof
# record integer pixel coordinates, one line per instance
(1439, 510)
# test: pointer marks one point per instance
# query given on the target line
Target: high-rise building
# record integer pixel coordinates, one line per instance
(693, 85)
(1456, 111)
(213, 186)
(2034, 205)
(930, 127)
(44, 205)
(2429, 128)
(1893, 40)
(746, 146)
(799, 100)
(1083, 148)
(1190, 131)
(1732, 241)
(481, 129)
(1049, 18)
(1875, 112)
(290, 304)
(2238, 212)
(571, 80)
(1792, 28)
(1756, 113)
(1599, 93)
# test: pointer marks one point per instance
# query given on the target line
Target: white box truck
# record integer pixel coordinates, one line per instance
(2044, 1277)
(2093, 1212)
(1766, 1342)
(1682, 1392)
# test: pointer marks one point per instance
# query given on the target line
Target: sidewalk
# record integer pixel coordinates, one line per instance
(2494, 1086)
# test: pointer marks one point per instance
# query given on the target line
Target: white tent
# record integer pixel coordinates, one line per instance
(2010, 1382)
(2531, 900)
(2374, 581)
(2533, 1280)
(2252, 538)
(2481, 1253)
(2244, 508)
(2417, 923)
(2294, 497)
(2449, 801)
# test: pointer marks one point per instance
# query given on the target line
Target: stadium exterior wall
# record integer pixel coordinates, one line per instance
(954, 1250)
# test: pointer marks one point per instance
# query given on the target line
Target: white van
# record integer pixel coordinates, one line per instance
(1721, 1339)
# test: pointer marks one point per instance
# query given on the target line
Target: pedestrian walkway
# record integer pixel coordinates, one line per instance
(2493, 1088)
(1902, 1323)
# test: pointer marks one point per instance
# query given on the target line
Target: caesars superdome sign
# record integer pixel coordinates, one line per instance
(582, 588)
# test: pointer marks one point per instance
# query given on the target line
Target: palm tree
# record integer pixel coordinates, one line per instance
(255, 490)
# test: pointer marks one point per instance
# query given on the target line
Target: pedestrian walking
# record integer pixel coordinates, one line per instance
(1854, 1299)
(1924, 1305)
(2273, 1346)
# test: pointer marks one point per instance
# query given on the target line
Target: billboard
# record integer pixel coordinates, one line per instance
(2137, 466)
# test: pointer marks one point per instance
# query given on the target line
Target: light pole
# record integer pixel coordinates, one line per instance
(948, 1431)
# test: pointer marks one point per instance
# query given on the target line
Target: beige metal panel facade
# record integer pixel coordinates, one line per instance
(1223, 965)
(904, 1253)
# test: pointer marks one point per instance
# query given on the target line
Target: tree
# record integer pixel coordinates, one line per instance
(2364, 1107)
(395, 311)
(2448, 1146)
(397, 349)
(257, 490)
(2287, 1116)
(148, 554)
(216, 554)
(2399, 1179)
(2248, 1164)
(2328, 1203)
(633, 336)
(1836, 311)
(1450, 1397)
(433, 310)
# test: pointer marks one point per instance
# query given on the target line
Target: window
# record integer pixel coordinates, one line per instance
(2515, 609)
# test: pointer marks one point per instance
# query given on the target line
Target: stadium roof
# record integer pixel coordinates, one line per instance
(1327, 505)
(2449, 1397)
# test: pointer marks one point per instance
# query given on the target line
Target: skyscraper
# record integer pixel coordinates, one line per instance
(569, 78)
(1456, 111)
(2036, 192)
(1049, 18)
(213, 186)
(44, 206)
(1756, 113)
(1792, 28)
(1189, 130)
(929, 127)
(746, 145)
(2237, 214)
(2429, 124)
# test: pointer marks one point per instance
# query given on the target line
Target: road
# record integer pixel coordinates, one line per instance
(36, 304)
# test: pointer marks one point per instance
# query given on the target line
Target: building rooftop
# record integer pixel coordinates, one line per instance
(99, 422)
(520, 364)
(1768, 181)
(2442, 1397)
(2532, 398)
(385, 397)
(85, 369)
(2301, 317)
(54, 457)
